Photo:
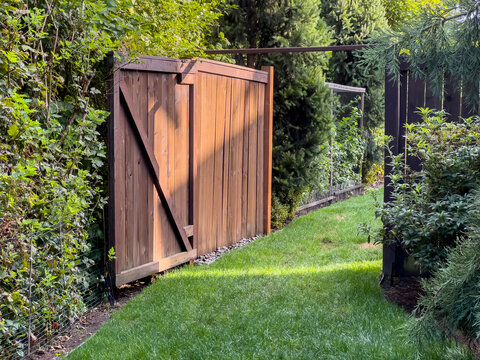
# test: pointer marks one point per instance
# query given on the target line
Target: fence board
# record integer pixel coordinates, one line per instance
(252, 162)
(260, 95)
(217, 216)
(223, 239)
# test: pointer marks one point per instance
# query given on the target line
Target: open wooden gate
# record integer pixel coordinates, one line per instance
(163, 120)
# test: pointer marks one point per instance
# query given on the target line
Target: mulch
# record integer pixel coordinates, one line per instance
(405, 292)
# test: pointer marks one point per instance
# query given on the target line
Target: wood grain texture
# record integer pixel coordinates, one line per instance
(260, 91)
(252, 161)
(189, 159)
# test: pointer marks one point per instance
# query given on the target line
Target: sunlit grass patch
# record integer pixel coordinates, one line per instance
(309, 291)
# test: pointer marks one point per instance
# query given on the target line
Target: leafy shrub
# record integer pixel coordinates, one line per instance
(342, 156)
(348, 149)
(452, 297)
(429, 210)
(52, 153)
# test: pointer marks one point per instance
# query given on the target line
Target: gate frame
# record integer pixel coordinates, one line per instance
(185, 71)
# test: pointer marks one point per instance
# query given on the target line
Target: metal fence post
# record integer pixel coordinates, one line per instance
(29, 334)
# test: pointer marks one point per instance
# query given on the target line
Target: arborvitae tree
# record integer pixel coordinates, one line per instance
(302, 111)
(353, 22)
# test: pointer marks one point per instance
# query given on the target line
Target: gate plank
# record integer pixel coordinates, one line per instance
(224, 238)
(252, 161)
(260, 158)
(218, 163)
(152, 162)
(245, 126)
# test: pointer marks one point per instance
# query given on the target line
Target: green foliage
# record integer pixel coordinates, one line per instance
(353, 22)
(302, 110)
(348, 149)
(442, 40)
(400, 12)
(452, 297)
(429, 210)
(174, 28)
(342, 156)
(52, 154)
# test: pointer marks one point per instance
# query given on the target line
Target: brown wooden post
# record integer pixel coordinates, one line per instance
(267, 203)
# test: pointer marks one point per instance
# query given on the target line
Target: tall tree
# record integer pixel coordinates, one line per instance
(353, 22)
(302, 117)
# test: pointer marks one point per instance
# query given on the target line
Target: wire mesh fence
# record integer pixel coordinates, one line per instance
(48, 278)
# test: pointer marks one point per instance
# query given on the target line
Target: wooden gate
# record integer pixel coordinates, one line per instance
(190, 161)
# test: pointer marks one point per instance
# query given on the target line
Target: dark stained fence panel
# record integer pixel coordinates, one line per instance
(403, 96)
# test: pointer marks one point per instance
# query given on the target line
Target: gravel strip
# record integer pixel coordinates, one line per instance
(214, 255)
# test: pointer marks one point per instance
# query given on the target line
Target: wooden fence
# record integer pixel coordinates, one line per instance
(190, 154)
(403, 96)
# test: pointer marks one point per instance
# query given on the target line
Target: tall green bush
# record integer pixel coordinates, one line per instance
(353, 22)
(302, 112)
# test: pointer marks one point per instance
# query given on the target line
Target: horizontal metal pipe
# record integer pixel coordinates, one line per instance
(289, 49)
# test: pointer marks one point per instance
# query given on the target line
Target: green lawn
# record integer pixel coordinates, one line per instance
(309, 291)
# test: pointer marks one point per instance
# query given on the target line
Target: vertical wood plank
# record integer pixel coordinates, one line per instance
(194, 150)
(181, 152)
(217, 218)
(236, 156)
(452, 98)
(151, 193)
(392, 121)
(117, 122)
(206, 165)
(252, 161)
(142, 180)
(416, 99)
(130, 230)
(268, 136)
(260, 157)
(245, 127)
(227, 170)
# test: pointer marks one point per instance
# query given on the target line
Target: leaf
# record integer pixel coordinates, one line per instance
(13, 131)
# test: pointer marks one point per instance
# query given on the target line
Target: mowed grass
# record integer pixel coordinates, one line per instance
(309, 291)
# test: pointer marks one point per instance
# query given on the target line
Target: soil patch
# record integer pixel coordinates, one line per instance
(87, 324)
(404, 291)
(368, 245)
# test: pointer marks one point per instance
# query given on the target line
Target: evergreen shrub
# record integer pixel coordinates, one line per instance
(429, 210)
